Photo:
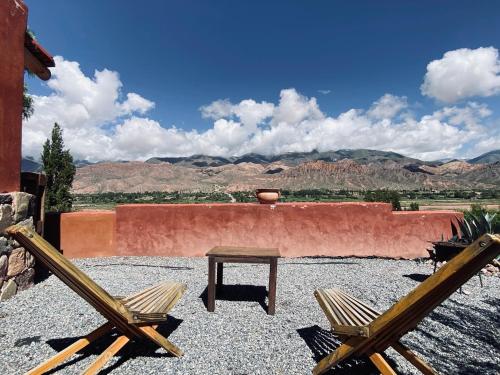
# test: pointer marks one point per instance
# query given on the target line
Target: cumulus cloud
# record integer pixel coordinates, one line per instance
(463, 73)
(388, 106)
(248, 111)
(100, 122)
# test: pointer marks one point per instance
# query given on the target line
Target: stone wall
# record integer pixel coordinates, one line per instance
(17, 270)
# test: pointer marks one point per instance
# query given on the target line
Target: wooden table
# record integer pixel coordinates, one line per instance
(229, 254)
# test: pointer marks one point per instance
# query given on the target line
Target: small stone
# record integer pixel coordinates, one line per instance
(30, 260)
(23, 205)
(4, 263)
(6, 219)
(28, 223)
(17, 262)
(4, 246)
(491, 268)
(9, 290)
(5, 198)
(25, 280)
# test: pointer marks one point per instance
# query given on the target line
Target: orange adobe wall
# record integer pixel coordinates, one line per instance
(297, 229)
(88, 234)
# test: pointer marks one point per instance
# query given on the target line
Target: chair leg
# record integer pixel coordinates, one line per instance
(154, 336)
(70, 350)
(382, 364)
(415, 360)
(106, 355)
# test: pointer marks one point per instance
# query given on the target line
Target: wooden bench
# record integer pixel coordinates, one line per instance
(366, 332)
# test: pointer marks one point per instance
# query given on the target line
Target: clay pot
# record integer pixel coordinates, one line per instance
(268, 196)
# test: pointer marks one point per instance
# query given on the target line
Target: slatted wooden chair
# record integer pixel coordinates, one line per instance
(365, 332)
(134, 317)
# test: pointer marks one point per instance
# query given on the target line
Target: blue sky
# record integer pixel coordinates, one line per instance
(183, 55)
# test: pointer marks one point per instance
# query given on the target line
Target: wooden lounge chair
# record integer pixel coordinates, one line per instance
(365, 332)
(136, 316)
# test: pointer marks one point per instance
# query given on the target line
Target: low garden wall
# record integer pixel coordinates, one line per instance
(297, 229)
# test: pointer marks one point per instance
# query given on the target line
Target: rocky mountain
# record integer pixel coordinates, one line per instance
(361, 156)
(489, 157)
(342, 169)
(29, 165)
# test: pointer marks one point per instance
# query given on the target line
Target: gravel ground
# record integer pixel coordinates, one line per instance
(459, 337)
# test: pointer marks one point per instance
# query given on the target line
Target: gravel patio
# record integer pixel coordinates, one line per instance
(460, 337)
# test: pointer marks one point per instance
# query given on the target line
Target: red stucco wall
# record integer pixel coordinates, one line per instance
(88, 234)
(13, 18)
(297, 229)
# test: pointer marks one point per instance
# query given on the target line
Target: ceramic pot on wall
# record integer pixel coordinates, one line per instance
(268, 196)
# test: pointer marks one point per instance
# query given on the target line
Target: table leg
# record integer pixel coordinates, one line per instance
(220, 272)
(211, 284)
(273, 273)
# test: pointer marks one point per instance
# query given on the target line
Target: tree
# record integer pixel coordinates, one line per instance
(414, 206)
(388, 196)
(57, 164)
(27, 104)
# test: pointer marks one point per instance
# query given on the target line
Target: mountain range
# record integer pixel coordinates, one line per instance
(342, 169)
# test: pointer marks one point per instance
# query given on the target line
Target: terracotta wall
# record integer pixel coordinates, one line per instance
(297, 229)
(88, 234)
(13, 18)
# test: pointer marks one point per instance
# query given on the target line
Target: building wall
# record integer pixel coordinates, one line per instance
(13, 18)
(88, 234)
(297, 229)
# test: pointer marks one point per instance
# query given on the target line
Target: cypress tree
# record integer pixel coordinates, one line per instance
(57, 164)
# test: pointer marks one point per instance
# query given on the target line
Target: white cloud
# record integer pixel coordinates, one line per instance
(248, 111)
(101, 123)
(136, 103)
(324, 92)
(463, 73)
(388, 106)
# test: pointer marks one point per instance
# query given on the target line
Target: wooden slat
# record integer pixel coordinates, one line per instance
(367, 310)
(358, 317)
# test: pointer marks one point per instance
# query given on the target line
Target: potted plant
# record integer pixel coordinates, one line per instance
(469, 229)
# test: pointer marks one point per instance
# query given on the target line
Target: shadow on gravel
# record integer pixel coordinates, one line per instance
(419, 277)
(322, 342)
(247, 293)
(143, 348)
(317, 263)
(474, 349)
(177, 268)
(27, 341)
